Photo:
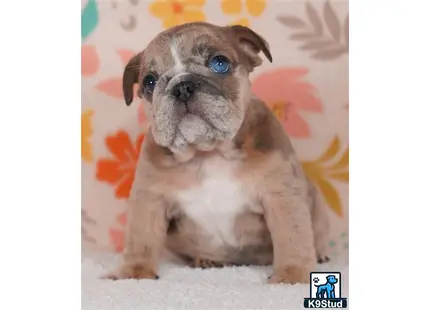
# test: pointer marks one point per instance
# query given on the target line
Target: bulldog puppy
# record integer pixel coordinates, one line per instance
(217, 180)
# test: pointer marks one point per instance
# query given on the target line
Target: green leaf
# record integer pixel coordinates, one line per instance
(89, 19)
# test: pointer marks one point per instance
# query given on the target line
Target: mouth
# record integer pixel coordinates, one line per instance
(192, 110)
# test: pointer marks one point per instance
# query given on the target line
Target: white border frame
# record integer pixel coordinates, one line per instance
(40, 195)
(390, 156)
(389, 163)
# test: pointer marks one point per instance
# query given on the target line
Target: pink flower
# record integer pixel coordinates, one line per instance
(117, 236)
(113, 86)
(287, 95)
(90, 62)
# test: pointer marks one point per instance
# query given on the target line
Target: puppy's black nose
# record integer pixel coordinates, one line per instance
(184, 90)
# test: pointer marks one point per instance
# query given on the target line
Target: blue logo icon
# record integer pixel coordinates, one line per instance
(325, 291)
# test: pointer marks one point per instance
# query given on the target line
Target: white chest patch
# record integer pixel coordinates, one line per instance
(215, 203)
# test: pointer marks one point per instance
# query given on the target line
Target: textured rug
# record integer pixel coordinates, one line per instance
(180, 287)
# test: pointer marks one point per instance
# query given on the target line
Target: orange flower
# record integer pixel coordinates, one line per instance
(120, 170)
(176, 12)
(86, 132)
(116, 235)
(236, 7)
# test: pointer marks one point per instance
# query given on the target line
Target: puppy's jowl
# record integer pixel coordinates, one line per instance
(217, 182)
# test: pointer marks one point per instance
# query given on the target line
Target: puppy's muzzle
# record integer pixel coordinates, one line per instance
(183, 91)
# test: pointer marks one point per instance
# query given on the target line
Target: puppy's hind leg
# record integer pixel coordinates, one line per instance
(320, 225)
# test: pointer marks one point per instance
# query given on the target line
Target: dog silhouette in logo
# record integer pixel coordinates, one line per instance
(327, 290)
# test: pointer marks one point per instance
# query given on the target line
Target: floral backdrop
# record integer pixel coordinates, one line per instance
(306, 86)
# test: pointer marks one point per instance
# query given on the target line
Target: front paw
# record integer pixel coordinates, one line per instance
(136, 271)
(290, 275)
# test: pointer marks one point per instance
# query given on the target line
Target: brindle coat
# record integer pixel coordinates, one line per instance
(224, 135)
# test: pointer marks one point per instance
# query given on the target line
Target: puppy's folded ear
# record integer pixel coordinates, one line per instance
(251, 43)
(131, 77)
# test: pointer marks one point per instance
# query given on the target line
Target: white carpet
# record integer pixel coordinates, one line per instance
(179, 287)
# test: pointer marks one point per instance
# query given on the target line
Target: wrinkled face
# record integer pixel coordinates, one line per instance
(195, 81)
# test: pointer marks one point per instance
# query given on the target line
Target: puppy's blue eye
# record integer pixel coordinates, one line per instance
(149, 83)
(219, 64)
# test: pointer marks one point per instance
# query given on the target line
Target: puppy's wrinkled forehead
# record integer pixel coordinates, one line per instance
(193, 45)
(182, 45)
